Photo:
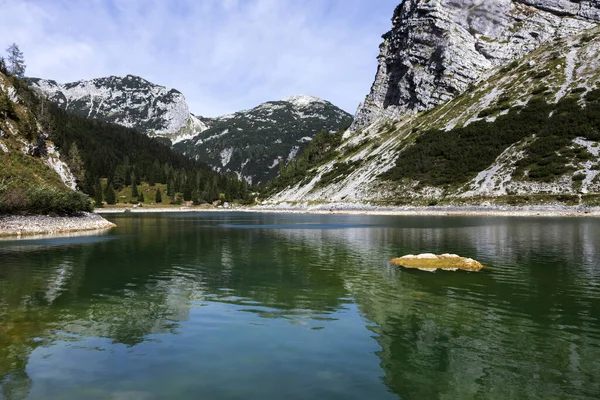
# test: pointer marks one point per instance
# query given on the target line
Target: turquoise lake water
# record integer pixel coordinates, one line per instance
(280, 306)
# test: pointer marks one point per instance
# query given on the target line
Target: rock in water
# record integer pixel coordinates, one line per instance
(432, 262)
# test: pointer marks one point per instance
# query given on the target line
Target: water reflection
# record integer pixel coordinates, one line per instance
(529, 326)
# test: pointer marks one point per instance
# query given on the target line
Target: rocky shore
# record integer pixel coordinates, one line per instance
(17, 225)
(552, 210)
(490, 210)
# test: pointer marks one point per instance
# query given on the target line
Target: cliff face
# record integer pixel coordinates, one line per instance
(436, 49)
(129, 101)
(473, 101)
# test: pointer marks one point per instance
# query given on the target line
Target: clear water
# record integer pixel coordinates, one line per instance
(271, 306)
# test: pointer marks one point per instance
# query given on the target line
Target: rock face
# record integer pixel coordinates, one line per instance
(432, 262)
(129, 101)
(253, 143)
(437, 48)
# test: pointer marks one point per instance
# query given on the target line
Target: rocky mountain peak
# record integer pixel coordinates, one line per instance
(302, 100)
(436, 49)
(129, 101)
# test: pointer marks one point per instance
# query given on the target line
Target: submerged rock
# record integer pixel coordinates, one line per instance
(432, 262)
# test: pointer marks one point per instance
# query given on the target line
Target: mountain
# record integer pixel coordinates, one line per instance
(129, 101)
(253, 143)
(35, 176)
(436, 49)
(97, 157)
(250, 143)
(473, 101)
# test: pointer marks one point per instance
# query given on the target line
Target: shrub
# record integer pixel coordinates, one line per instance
(540, 90)
(593, 95)
(542, 74)
(43, 200)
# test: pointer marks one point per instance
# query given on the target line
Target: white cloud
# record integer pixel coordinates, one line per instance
(223, 55)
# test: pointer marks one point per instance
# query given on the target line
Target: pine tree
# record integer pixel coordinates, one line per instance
(158, 197)
(120, 176)
(16, 62)
(141, 197)
(171, 187)
(188, 189)
(76, 163)
(7, 109)
(128, 171)
(98, 194)
(3, 67)
(134, 191)
(196, 197)
(109, 194)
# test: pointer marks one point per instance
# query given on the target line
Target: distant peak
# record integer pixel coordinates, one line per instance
(303, 100)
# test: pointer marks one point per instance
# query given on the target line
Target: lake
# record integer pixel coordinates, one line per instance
(270, 306)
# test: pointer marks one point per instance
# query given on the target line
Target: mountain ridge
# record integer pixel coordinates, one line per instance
(161, 112)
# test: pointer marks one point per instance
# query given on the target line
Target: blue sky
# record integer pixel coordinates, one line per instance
(223, 55)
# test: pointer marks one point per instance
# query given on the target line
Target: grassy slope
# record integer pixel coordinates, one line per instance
(27, 183)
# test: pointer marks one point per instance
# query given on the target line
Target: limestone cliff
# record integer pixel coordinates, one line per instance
(473, 101)
(437, 48)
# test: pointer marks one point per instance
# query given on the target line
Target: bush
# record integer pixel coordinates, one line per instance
(542, 74)
(43, 200)
(440, 158)
(593, 95)
(540, 90)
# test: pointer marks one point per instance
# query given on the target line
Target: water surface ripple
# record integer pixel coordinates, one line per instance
(228, 305)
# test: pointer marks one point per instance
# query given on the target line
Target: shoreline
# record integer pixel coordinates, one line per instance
(14, 226)
(361, 209)
(17, 226)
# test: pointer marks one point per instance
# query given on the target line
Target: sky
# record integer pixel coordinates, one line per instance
(223, 55)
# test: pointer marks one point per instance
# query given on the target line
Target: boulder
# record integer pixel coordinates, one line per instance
(432, 262)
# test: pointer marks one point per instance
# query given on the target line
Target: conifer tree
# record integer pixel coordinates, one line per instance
(76, 163)
(7, 109)
(3, 67)
(16, 62)
(170, 187)
(134, 188)
(109, 194)
(196, 197)
(158, 197)
(141, 197)
(98, 194)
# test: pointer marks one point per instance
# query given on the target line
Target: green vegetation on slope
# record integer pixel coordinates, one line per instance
(93, 150)
(323, 147)
(27, 184)
(259, 136)
(445, 158)
(124, 155)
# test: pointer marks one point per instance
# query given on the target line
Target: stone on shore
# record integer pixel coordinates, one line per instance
(432, 262)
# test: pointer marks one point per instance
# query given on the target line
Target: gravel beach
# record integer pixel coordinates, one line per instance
(358, 208)
(16, 225)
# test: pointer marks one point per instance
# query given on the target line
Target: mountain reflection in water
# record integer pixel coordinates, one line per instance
(302, 306)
